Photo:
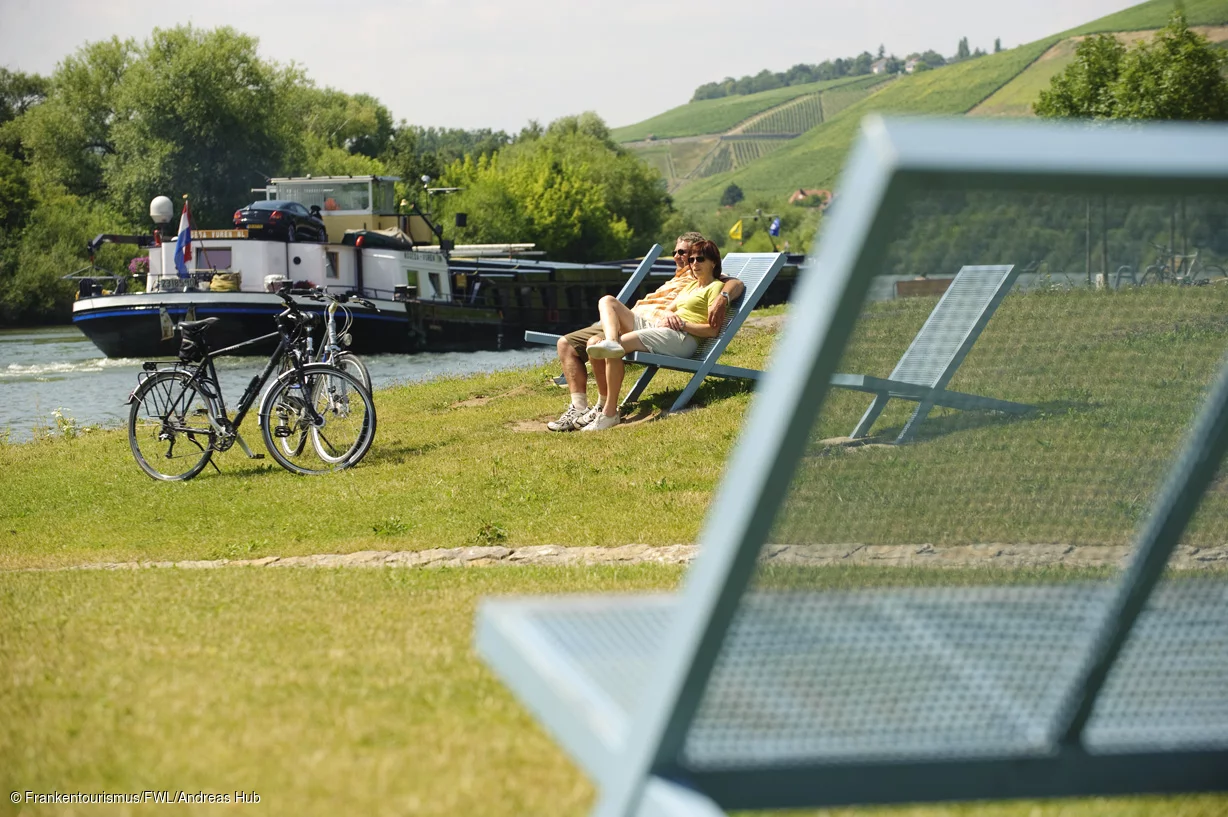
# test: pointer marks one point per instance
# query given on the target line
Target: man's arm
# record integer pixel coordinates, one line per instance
(733, 288)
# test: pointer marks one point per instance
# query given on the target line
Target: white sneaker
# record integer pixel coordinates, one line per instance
(569, 420)
(602, 422)
(588, 416)
(606, 349)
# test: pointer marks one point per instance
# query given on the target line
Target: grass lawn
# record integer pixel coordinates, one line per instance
(324, 691)
(1115, 376)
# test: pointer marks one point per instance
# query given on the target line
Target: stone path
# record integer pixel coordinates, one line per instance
(924, 555)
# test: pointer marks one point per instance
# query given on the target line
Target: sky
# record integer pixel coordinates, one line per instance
(500, 63)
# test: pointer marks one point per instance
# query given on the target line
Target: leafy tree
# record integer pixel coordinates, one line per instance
(68, 137)
(997, 45)
(199, 113)
(962, 52)
(572, 190)
(732, 195)
(1085, 87)
(358, 123)
(1176, 76)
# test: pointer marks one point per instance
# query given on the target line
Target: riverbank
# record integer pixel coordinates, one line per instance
(467, 462)
(54, 379)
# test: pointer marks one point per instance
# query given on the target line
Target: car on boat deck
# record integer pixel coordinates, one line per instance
(284, 220)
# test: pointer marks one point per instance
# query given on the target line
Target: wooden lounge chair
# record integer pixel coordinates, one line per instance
(937, 351)
(729, 695)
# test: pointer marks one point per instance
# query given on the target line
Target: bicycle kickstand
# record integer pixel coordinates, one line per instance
(251, 455)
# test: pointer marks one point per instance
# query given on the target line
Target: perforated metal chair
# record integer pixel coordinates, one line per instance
(935, 354)
(756, 271)
(731, 694)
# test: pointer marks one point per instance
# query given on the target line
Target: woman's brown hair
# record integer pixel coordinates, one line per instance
(709, 250)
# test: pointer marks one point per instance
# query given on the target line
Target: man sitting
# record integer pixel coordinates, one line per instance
(572, 348)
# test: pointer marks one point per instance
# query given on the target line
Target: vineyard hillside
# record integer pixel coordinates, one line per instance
(998, 84)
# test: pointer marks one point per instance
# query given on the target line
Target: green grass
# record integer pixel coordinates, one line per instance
(1116, 376)
(324, 691)
(718, 115)
(1016, 97)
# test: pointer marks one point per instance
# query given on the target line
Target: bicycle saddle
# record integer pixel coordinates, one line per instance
(196, 326)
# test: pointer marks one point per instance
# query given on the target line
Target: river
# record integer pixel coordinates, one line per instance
(52, 369)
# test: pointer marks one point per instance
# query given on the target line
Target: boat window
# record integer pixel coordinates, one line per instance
(329, 195)
(214, 258)
(435, 286)
(385, 198)
(330, 265)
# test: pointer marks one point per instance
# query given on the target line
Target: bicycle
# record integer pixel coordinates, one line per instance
(178, 419)
(332, 352)
(333, 348)
(1184, 270)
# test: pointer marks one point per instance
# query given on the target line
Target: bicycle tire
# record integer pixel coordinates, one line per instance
(1153, 274)
(1212, 273)
(166, 412)
(347, 361)
(347, 415)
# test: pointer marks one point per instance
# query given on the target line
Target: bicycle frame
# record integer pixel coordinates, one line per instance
(205, 380)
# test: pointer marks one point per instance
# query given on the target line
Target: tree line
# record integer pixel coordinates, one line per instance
(857, 66)
(199, 112)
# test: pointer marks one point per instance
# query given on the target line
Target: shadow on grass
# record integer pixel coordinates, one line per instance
(935, 427)
(713, 389)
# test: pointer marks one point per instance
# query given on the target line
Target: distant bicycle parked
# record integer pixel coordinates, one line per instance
(178, 418)
(334, 347)
(1182, 269)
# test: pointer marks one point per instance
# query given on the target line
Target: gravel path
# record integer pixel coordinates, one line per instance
(924, 555)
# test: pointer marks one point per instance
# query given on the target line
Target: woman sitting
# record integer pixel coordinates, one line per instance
(677, 334)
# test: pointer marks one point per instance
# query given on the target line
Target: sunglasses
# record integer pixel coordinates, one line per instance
(679, 252)
(695, 259)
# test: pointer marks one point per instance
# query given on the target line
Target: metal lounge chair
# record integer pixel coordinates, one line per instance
(937, 351)
(756, 271)
(729, 696)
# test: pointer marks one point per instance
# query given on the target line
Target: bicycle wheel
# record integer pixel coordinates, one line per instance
(1212, 273)
(353, 364)
(344, 427)
(168, 427)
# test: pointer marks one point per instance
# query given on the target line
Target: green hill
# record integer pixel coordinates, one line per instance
(998, 84)
(711, 116)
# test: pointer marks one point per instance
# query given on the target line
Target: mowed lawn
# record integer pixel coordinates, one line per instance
(323, 691)
(1114, 377)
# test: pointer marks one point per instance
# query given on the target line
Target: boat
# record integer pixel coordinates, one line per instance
(429, 293)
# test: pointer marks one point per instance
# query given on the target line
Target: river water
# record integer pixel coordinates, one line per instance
(52, 369)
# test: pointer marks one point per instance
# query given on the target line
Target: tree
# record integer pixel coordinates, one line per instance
(200, 113)
(1085, 87)
(962, 52)
(882, 51)
(732, 195)
(572, 190)
(67, 138)
(1176, 76)
(997, 45)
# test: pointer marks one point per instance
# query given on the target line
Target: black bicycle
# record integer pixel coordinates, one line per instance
(178, 416)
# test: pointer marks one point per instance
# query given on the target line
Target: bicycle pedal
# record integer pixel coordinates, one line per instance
(281, 431)
(257, 456)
